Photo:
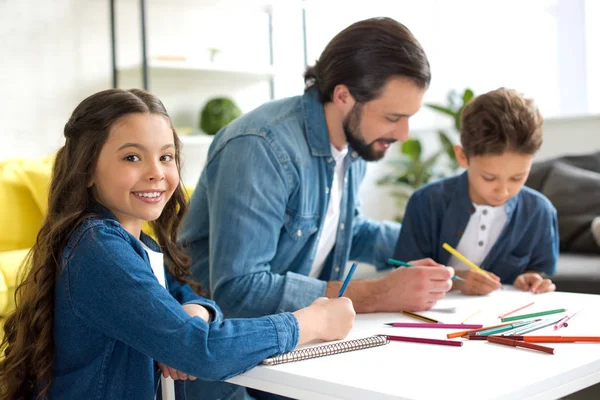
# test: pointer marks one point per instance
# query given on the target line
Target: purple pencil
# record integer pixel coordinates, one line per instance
(424, 340)
(429, 325)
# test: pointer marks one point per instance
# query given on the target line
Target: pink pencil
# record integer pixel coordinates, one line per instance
(563, 321)
(424, 340)
(514, 311)
(438, 325)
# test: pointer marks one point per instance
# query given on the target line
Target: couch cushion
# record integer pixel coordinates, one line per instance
(575, 192)
(24, 185)
(10, 262)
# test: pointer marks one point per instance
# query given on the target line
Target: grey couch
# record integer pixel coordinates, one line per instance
(572, 183)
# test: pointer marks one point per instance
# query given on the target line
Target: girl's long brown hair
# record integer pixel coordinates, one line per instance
(28, 343)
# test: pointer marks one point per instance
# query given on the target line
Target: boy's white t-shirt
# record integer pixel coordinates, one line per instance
(482, 232)
(157, 262)
(332, 218)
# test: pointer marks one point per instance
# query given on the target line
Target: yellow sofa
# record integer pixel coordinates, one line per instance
(24, 185)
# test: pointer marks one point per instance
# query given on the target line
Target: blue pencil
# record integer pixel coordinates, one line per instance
(405, 264)
(347, 280)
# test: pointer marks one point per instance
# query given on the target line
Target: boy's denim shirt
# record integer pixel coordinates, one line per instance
(438, 213)
(113, 320)
(257, 212)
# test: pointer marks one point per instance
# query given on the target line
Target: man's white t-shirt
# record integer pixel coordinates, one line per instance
(332, 218)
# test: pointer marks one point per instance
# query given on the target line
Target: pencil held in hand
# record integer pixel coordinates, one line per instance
(348, 278)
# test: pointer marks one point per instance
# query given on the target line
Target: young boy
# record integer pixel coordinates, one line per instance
(486, 213)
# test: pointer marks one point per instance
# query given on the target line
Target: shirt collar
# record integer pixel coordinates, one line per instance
(317, 134)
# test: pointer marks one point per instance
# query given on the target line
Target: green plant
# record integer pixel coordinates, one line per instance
(411, 170)
(217, 113)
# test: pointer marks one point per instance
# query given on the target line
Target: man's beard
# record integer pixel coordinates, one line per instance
(354, 137)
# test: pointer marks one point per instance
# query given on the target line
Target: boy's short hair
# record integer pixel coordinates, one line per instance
(499, 121)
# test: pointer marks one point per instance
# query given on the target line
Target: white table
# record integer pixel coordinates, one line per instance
(477, 370)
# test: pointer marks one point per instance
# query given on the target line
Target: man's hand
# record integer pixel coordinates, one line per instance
(415, 288)
(534, 282)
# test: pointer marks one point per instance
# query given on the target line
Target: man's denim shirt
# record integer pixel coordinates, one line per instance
(438, 213)
(257, 212)
(113, 319)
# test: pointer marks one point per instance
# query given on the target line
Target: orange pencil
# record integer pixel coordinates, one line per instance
(466, 333)
(518, 343)
(561, 339)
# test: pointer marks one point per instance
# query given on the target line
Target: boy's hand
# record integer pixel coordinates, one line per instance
(534, 282)
(476, 283)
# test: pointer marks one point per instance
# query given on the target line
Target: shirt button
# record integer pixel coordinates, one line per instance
(329, 159)
(483, 227)
(337, 269)
(484, 212)
(299, 233)
(326, 190)
(345, 180)
(341, 227)
(354, 154)
(480, 243)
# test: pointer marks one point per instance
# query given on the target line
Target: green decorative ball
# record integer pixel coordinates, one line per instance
(217, 113)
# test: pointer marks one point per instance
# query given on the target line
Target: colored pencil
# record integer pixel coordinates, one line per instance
(560, 339)
(467, 332)
(536, 314)
(506, 314)
(347, 280)
(421, 317)
(494, 331)
(563, 321)
(424, 340)
(518, 343)
(430, 325)
(462, 258)
(545, 339)
(399, 263)
(471, 316)
(533, 327)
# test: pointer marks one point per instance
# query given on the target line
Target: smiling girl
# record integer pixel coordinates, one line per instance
(98, 314)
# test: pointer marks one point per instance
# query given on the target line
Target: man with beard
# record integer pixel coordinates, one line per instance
(274, 218)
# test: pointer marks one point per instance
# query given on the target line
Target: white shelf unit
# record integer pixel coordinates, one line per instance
(258, 72)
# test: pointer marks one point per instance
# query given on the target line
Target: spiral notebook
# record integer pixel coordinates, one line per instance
(327, 350)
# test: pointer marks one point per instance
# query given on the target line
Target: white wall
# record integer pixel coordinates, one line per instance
(55, 53)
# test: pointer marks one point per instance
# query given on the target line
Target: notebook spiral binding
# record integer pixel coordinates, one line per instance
(326, 350)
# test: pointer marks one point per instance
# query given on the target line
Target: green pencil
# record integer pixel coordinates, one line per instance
(537, 314)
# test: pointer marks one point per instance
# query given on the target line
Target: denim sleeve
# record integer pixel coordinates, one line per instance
(248, 186)
(544, 254)
(118, 295)
(372, 241)
(414, 241)
(184, 294)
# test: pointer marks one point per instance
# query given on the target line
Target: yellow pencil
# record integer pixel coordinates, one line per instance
(462, 258)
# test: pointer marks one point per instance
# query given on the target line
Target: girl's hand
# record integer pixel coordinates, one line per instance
(195, 310)
(476, 283)
(326, 319)
(534, 282)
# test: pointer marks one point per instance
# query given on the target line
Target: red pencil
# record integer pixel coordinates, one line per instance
(517, 343)
(424, 340)
(560, 339)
